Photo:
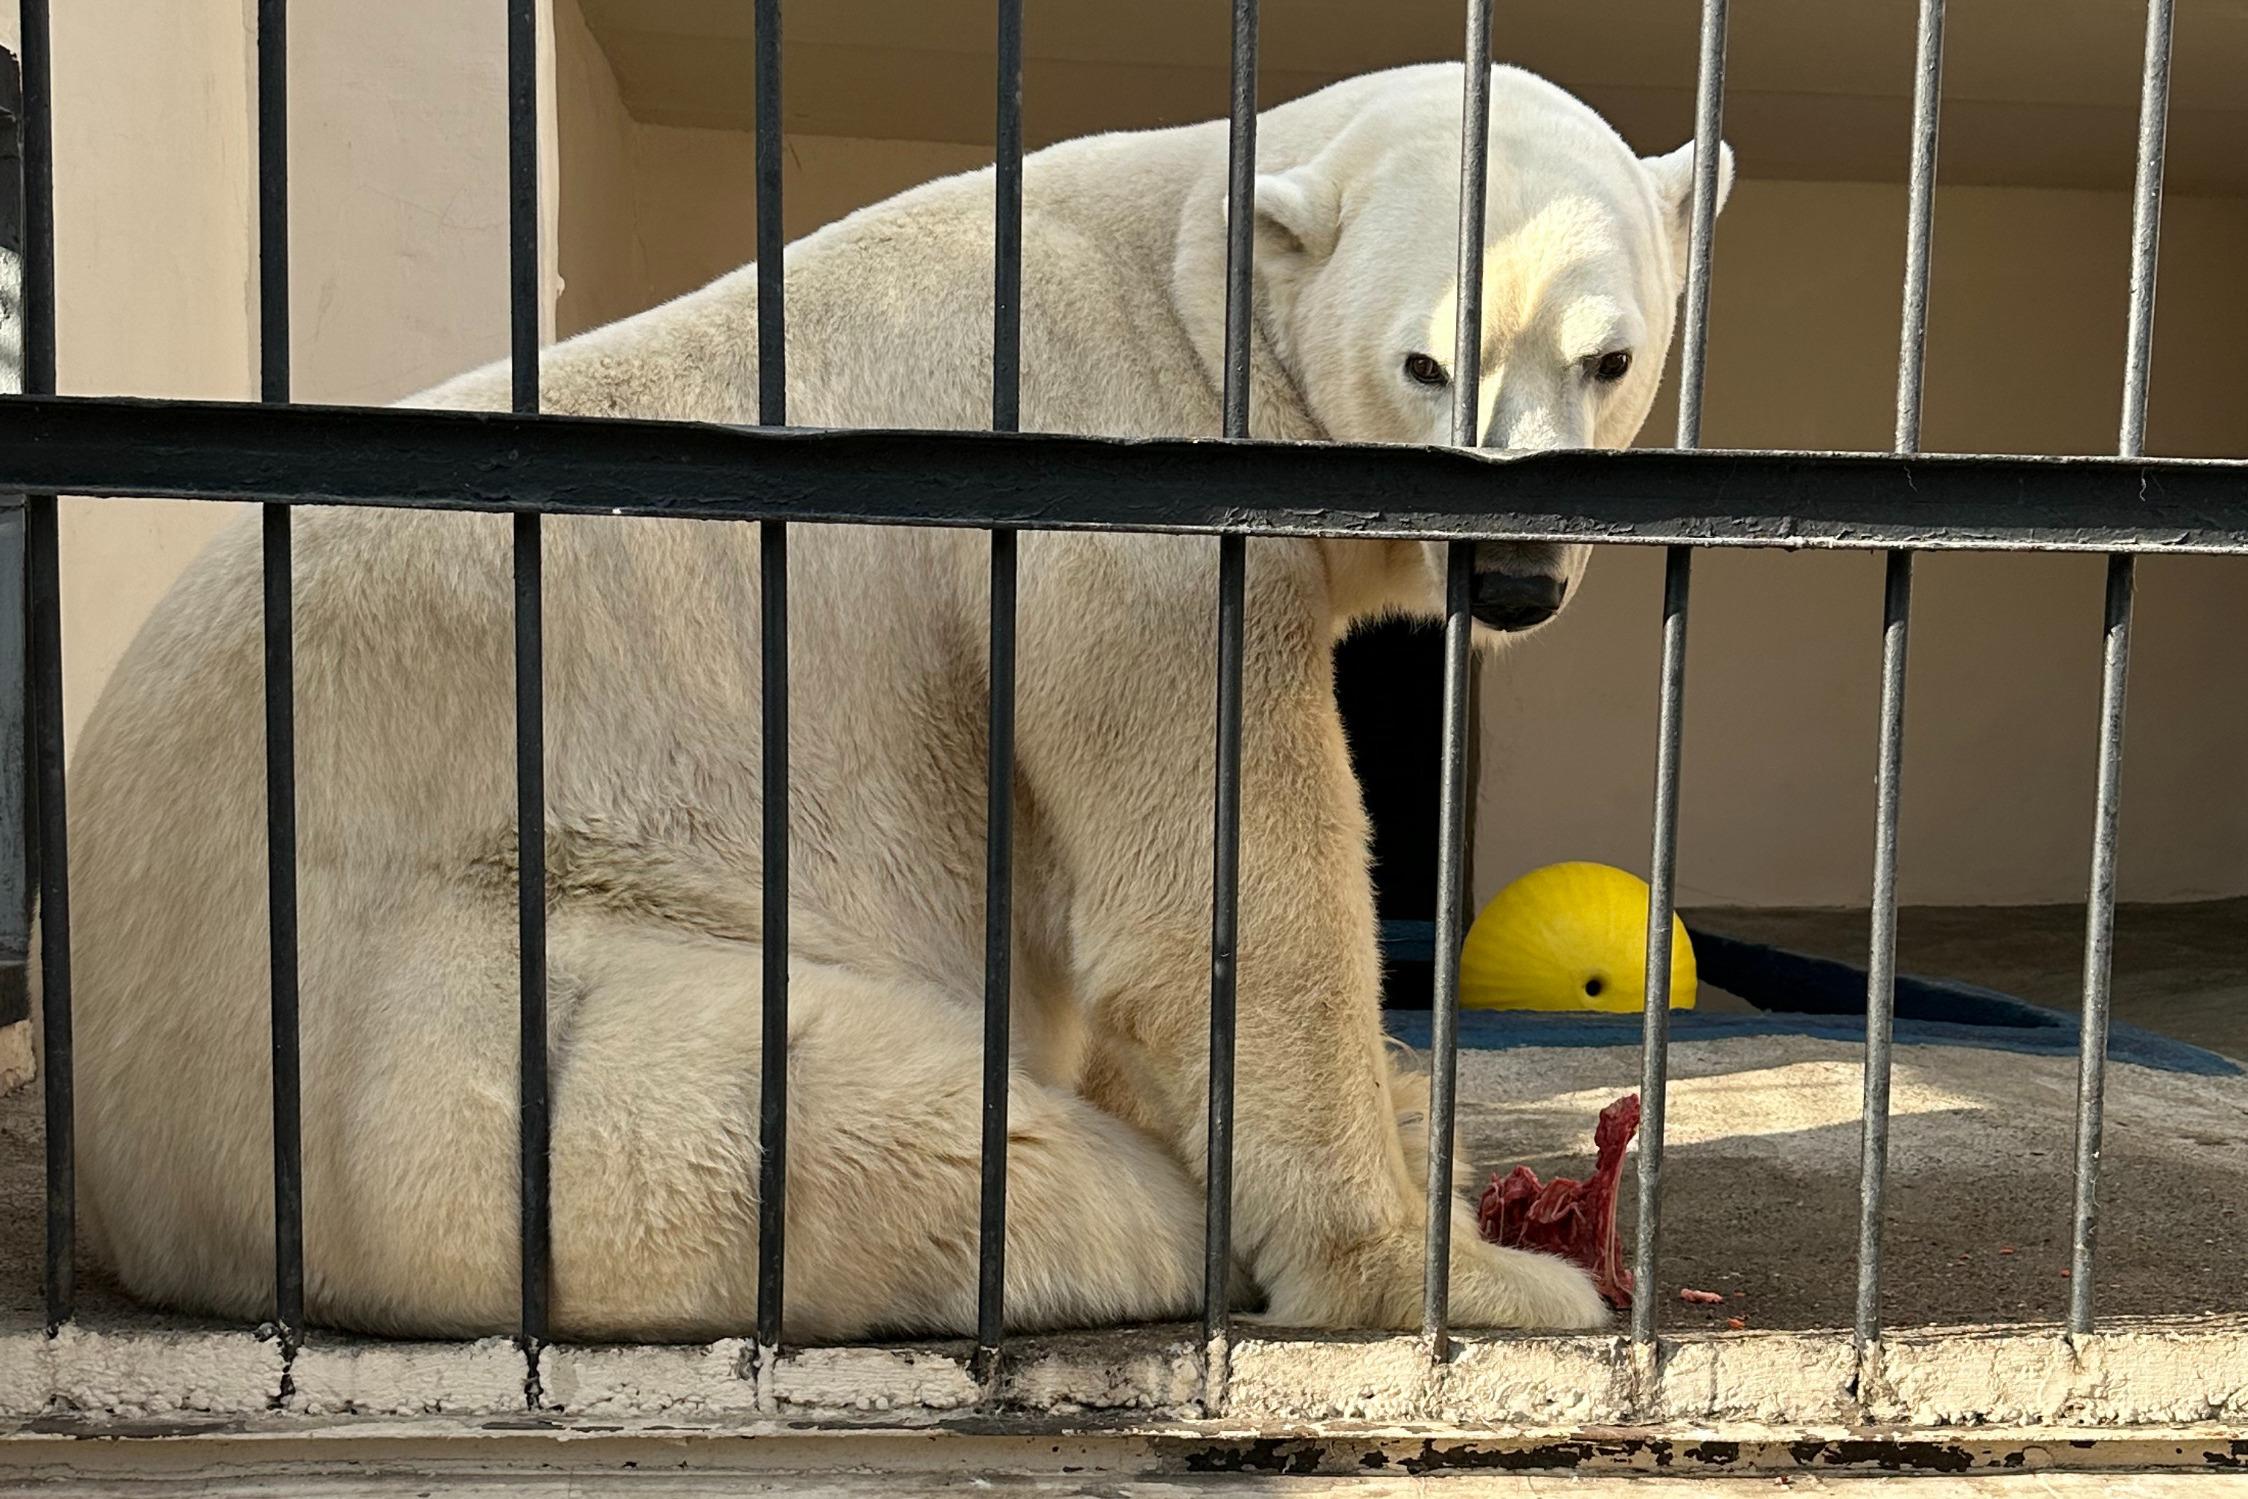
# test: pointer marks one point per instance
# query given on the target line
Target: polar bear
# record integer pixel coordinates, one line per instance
(406, 811)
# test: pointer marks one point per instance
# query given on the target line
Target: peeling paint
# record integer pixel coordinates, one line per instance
(859, 1380)
(138, 1374)
(649, 1381)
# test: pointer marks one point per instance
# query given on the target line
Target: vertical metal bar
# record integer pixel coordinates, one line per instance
(1240, 250)
(1224, 940)
(1240, 239)
(44, 585)
(772, 1104)
(772, 410)
(1896, 612)
(1920, 214)
(2099, 918)
(2146, 227)
(1881, 965)
(1459, 689)
(1444, 1021)
(280, 685)
(1007, 226)
(1709, 107)
(17, 862)
(999, 797)
(1475, 178)
(1709, 115)
(1655, 1019)
(2099, 940)
(530, 688)
(772, 302)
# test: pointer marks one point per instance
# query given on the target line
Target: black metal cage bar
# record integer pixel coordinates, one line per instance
(1896, 613)
(530, 686)
(1709, 110)
(496, 463)
(16, 844)
(1452, 829)
(280, 683)
(1225, 867)
(772, 411)
(999, 801)
(43, 589)
(2099, 919)
(527, 465)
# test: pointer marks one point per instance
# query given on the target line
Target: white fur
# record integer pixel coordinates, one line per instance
(404, 681)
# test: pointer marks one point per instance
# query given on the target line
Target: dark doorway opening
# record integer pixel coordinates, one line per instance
(1389, 683)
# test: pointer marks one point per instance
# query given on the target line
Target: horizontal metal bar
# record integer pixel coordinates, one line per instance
(503, 463)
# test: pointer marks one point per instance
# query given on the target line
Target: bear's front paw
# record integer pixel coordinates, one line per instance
(1514, 1288)
(1378, 1284)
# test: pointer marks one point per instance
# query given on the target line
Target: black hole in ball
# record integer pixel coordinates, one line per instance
(1592, 988)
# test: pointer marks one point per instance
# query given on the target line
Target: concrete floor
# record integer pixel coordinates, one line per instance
(1761, 1178)
(1762, 1174)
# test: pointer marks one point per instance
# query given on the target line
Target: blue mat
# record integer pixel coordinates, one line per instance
(1799, 995)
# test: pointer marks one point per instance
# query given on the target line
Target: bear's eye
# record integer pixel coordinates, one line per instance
(1612, 366)
(1423, 370)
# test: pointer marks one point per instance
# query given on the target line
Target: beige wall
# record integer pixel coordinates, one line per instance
(398, 223)
(604, 271)
(652, 211)
(704, 232)
(154, 273)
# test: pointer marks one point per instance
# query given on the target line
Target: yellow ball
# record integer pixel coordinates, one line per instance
(1569, 937)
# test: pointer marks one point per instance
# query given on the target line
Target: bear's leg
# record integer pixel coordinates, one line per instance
(1329, 1190)
(655, 1160)
(885, 1119)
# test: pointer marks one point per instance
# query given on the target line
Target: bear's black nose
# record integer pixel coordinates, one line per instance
(1505, 601)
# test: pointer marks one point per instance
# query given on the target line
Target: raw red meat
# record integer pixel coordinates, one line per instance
(1576, 1220)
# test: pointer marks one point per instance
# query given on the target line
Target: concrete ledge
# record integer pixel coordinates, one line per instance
(2147, 1373)
(2134, 1376)
(361, 1377)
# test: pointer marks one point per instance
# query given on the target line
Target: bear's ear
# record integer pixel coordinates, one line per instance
(1673, 176)
(1299, 213)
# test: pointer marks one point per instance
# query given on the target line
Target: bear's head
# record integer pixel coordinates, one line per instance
(1585, 250)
